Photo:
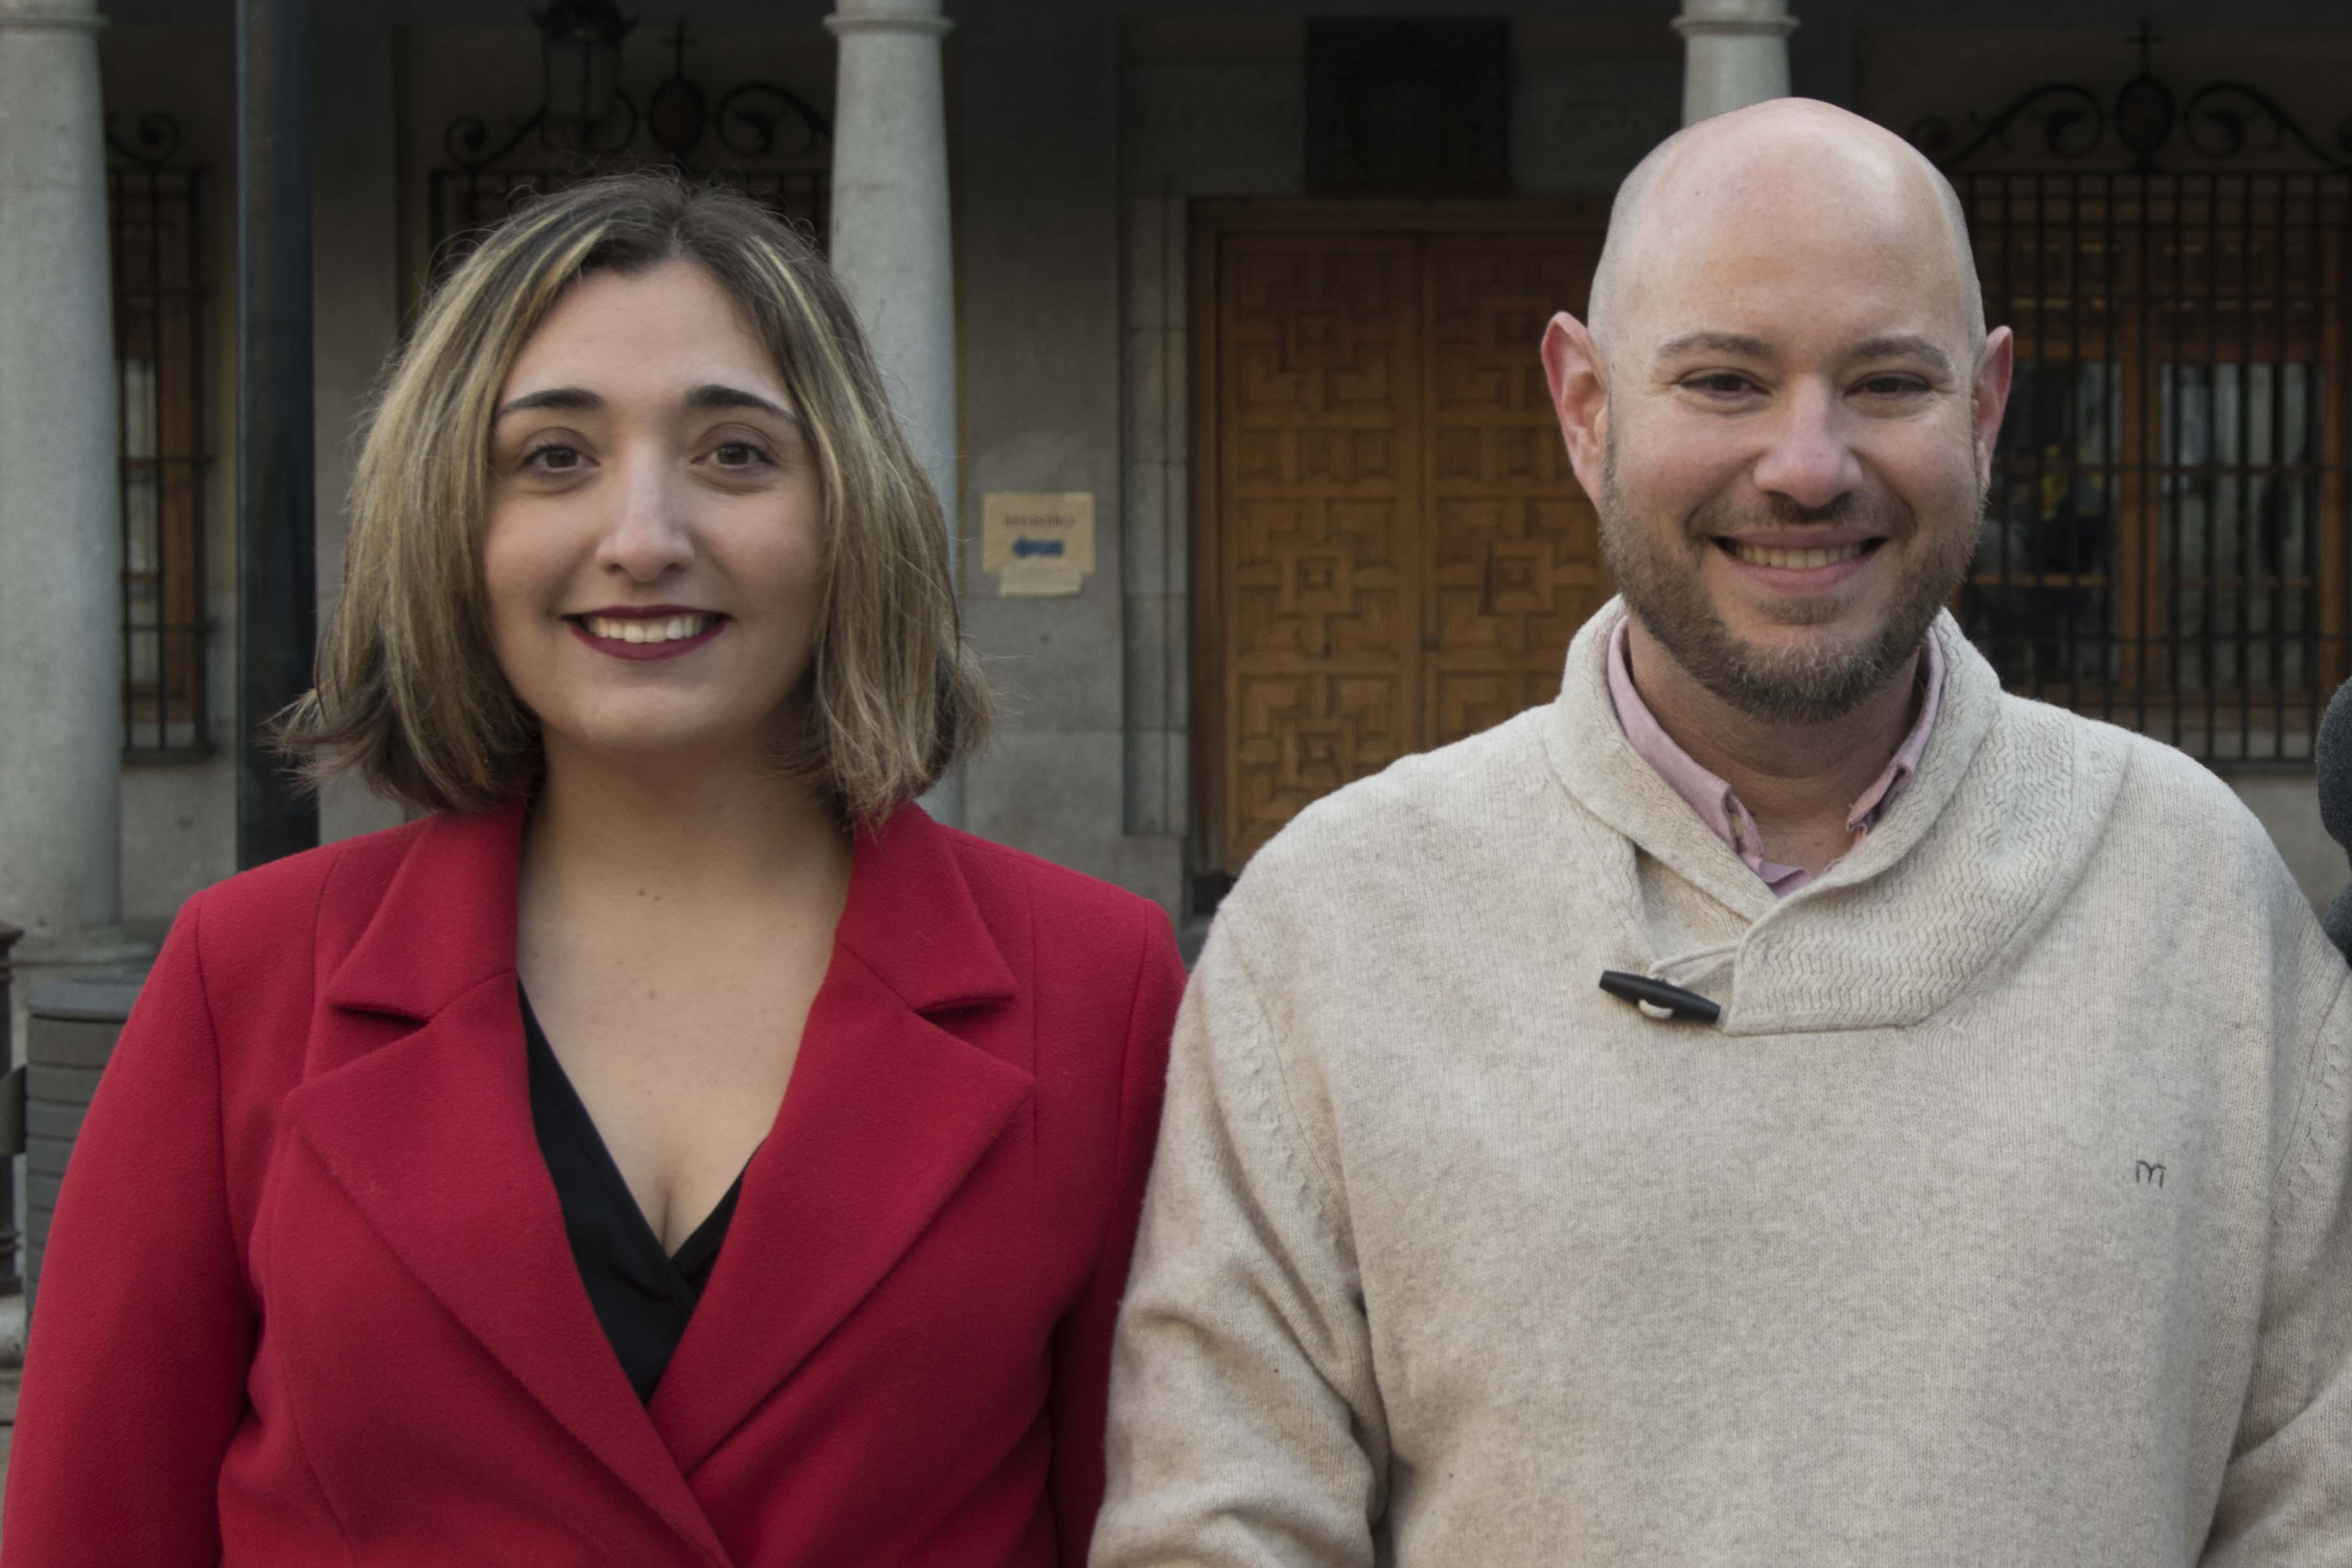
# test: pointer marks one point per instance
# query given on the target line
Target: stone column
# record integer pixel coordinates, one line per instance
(1735, 53)
(891, 242)
(60, 530)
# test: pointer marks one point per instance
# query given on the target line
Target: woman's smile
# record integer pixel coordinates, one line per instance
(649, 467)
(651, 631)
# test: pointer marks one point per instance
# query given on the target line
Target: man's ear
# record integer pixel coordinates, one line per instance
(1580, 396)
(1990, 395)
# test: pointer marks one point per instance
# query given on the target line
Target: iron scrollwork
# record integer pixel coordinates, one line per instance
(467, 137)
(2219, 120)
(2073, 121)
(749, 117)
(154, 138)
(2223, 114)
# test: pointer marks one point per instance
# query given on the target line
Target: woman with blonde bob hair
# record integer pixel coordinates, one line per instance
(673, 1147)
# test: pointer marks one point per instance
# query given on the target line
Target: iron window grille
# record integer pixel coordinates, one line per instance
(2166, 531)
(155, 211)
(744, 140)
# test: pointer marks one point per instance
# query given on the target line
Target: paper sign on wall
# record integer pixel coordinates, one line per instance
(1040, 545)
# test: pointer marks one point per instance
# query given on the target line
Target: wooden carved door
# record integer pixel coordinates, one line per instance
(1394, 552)
(1514, 545)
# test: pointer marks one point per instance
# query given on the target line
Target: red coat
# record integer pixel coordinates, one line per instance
(308, 1299)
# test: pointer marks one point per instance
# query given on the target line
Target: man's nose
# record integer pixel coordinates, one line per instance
(649, 533)
(1809, 461)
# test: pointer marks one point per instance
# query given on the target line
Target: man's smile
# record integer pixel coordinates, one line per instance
(1795, 560)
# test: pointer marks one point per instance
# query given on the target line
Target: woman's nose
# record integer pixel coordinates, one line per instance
(649, 533)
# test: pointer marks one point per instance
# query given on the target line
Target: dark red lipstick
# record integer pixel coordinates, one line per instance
(621, 647)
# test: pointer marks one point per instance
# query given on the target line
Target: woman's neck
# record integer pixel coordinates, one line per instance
(716, 834)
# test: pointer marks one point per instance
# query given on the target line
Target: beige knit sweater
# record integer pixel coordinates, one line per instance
(2002, 1220)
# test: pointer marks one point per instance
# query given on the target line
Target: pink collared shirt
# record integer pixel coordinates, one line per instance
(1712, 798)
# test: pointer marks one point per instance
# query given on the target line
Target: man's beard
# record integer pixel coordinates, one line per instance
(1806, 684)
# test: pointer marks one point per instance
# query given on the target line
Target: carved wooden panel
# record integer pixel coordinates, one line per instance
(1319, 394)
(1514, 545)
(1401, 551)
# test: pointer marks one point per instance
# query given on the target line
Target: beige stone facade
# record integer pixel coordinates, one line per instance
(1080, 143)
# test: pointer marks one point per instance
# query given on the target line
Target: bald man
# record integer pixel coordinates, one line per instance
(1786, 1102)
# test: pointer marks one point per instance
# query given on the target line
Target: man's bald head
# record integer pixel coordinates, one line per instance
(1793, 155)
(1783, 404)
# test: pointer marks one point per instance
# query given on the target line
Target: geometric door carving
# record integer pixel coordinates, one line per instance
(1318, 472)
(1401, 552)
(1516, 546)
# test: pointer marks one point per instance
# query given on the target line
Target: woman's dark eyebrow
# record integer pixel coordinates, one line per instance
(709, 396)
(713, 394)
(573, 397)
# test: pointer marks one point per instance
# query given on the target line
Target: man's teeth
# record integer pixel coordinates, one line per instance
(633, 630)
(1800, 560)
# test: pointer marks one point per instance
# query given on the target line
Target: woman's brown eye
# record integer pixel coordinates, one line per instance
(556, 459)
(738, 455)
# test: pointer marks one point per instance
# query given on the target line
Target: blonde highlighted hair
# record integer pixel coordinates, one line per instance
(408, 692)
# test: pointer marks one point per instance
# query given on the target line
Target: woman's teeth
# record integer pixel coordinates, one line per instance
(669, 631)
(1798, 560)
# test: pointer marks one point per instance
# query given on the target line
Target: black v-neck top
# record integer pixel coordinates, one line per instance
(643, 1295)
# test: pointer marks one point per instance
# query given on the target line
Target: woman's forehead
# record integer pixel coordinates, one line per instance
(673, 326)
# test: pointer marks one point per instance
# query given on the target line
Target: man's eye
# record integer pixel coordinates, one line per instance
(1894, 387)
(1722, 383)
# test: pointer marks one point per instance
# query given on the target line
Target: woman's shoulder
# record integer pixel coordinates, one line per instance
(1064, 932)
(1097, 963)
(274, 901)
(248, 953)
(1055, 894)
(291, 894)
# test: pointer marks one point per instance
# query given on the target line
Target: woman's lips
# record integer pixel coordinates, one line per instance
(621, 648)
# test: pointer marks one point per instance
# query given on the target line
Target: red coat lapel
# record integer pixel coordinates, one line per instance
(885, 1114)
(431, 1136)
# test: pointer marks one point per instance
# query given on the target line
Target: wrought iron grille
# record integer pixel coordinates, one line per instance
(155, 212)
(467, 201)
(2164, 544)
(745, 130)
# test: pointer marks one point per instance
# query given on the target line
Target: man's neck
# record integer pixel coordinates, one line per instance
(1798, 781)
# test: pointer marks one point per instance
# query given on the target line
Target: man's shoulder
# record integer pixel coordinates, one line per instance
(2152, 776)
(2171, 814)
(1423, 819)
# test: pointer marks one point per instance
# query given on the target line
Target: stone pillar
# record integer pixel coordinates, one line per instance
(60, 530)
(1735, 53)
(891, 242)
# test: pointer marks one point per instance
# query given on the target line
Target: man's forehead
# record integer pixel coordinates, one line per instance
(1915, 347)
(1850, 277)
(1787, 206)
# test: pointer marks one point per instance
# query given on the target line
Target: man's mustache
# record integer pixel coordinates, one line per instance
(1887, 517)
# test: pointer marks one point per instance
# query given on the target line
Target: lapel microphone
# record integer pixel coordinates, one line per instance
(1656, 999)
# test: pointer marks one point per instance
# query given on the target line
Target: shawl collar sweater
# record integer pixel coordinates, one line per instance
(2001, 1219)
